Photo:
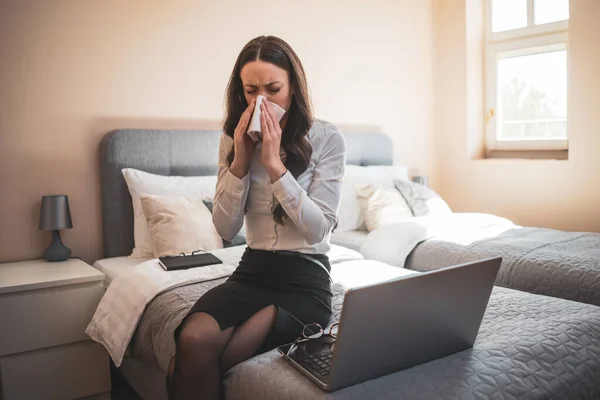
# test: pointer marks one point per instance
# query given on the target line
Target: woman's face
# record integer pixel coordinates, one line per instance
(263, 78)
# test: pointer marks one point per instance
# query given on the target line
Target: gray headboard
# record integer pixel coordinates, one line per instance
(184, 153)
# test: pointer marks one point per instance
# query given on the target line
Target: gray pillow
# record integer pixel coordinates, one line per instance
(422, 200)
(238, 240)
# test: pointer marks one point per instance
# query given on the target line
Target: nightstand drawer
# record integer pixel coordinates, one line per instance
(49, 317)
(65, 372)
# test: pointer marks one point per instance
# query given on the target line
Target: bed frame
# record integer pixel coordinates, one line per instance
(183, 153)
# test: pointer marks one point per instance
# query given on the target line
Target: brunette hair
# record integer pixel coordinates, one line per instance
(299, 116)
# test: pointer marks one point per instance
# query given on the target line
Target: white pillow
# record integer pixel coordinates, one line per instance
(382, 206)
(393, 243)
(349, 215)
(179, 225)
(140, 182)
(422, 200)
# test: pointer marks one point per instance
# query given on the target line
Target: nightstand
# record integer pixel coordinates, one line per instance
(44, 351)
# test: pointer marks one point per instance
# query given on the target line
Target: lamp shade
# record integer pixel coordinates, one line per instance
(55, 213)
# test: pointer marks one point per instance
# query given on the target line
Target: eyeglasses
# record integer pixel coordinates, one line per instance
(310, 334)
(193, 253)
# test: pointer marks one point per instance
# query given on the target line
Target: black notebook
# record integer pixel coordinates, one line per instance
(174, 263)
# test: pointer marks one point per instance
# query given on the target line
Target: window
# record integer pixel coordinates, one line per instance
(526, 74)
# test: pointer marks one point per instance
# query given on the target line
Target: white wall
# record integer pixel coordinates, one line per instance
(73, 70)
(549, 193)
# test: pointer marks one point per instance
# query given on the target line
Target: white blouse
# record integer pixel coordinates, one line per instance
(311, 201)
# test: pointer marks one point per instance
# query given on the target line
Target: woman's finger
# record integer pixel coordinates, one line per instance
(266, 134)
(250, 108)
(242, 125)
(269, 111)
(245, 117)
(269, 121)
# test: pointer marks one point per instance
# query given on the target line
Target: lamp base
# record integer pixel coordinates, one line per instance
(57, 251)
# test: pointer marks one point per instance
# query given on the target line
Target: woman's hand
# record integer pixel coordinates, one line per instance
(271, 142)
(243, 145)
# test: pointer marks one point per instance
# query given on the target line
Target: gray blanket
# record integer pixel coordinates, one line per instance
(528, 347)
(543, 261)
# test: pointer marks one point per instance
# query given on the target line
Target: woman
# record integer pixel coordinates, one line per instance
(288, 188)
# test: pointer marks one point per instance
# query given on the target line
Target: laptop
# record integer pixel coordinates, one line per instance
(397, 324)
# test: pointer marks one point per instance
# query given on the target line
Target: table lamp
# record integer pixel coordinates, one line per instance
(56, 215)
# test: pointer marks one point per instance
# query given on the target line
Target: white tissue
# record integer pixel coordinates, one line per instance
(254, 125)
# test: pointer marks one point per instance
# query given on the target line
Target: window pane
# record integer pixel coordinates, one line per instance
(545, 11)
(508, 14)
(532, 96)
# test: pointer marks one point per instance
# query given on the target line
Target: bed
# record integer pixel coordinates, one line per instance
(351, 239)
(535, 260)
(529, 346)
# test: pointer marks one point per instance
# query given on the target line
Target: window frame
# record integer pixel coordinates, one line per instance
(533, 39)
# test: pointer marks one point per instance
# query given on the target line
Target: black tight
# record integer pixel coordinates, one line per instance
(204, 352)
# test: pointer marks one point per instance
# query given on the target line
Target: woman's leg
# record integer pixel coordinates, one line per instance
(197, 370)
(248, 337)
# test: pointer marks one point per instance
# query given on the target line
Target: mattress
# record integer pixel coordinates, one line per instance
(111, 267)
(350, 239)
(535, 260)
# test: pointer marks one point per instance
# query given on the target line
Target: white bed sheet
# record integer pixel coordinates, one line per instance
(112, 267)
(350, 239)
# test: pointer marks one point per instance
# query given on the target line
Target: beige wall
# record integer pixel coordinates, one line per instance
(72, 70)
(556, 194)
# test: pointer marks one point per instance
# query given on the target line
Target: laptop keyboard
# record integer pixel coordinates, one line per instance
(319, 363)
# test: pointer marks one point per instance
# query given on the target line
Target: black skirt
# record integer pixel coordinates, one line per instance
(298, 287)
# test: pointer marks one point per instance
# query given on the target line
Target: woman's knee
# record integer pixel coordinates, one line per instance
(200, 342)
